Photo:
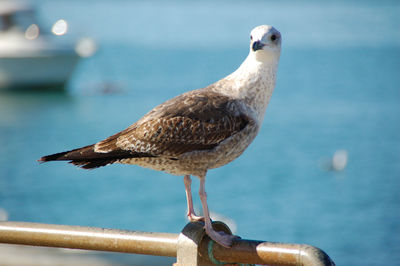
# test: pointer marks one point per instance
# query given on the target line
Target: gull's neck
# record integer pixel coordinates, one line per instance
(258, 65)
(253, 82)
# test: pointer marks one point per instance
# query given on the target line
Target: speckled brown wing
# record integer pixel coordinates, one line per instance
(194, 121)
(197, 120)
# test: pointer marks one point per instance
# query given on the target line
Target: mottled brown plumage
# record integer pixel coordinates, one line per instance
(198, 130)
(195, 121)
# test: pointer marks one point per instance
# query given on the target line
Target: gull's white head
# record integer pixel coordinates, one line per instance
(265, 43)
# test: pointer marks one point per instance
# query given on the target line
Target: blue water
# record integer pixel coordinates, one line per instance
(338, 88)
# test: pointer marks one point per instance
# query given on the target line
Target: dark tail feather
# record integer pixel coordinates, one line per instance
(84, 157)
(87, 158)
(76, 154)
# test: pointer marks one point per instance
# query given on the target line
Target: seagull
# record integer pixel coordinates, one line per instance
(198, 130)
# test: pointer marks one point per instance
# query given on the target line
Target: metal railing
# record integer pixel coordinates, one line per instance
(191, 247)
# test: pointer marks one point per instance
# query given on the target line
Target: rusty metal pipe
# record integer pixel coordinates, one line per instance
(77, 237)
(258, 252)
(160, 244)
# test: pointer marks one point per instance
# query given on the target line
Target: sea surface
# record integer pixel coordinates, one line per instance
(338, 91)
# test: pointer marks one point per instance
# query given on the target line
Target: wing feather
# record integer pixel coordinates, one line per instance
(194, 121)
(198, 120)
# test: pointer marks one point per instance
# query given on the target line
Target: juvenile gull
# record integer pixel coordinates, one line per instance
(198, 130)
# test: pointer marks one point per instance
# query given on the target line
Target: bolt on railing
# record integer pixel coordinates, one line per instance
(191, 247)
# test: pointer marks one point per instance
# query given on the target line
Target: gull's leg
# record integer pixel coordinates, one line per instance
(190, 214)
(220, 237)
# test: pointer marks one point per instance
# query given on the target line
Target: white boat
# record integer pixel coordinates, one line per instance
(30, 57)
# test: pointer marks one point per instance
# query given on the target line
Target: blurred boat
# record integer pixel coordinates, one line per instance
(30, 56)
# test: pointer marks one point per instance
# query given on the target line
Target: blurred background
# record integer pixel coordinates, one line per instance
(324, 170)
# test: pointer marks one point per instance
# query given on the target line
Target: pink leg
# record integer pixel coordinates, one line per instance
(190, 214)
(219, 237)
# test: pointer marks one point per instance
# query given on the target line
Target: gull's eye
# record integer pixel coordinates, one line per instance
(251, 37)
(273, 37)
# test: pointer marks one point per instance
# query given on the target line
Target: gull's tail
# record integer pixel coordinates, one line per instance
(87, 158)
(84, 157)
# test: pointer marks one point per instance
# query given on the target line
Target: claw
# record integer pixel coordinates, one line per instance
(194, 218)
(222, 238)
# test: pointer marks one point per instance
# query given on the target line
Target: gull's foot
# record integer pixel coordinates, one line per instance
(194, 218)
(222, 238)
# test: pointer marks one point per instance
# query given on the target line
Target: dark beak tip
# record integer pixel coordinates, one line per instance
(257, 46)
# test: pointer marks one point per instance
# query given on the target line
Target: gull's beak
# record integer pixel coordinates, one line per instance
(257, 45)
